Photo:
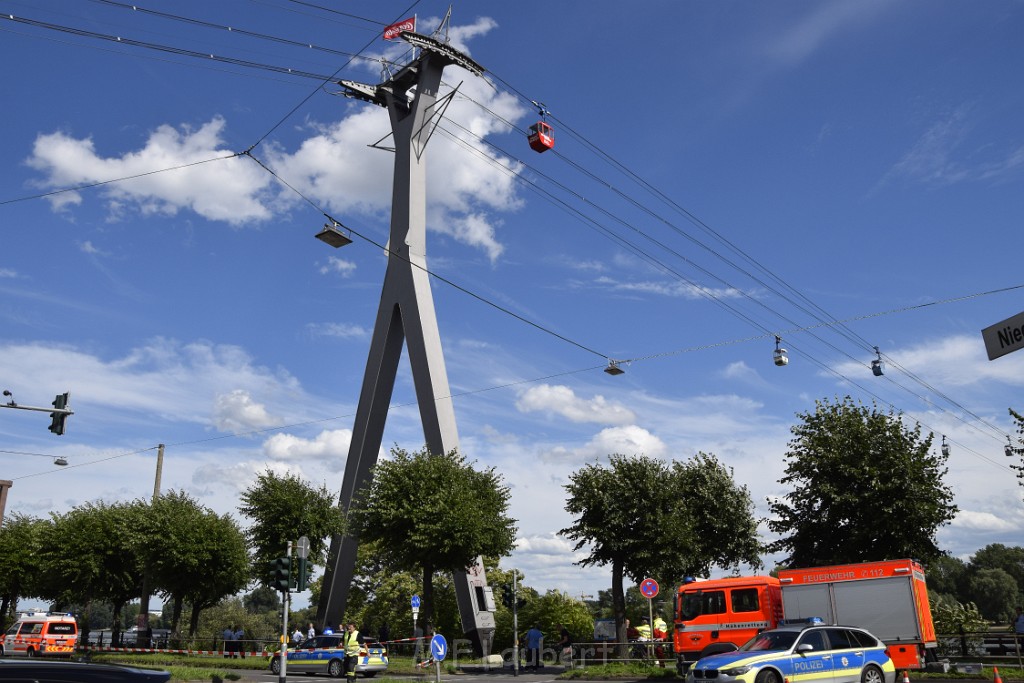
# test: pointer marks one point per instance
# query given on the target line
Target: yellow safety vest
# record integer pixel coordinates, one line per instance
(351, 641)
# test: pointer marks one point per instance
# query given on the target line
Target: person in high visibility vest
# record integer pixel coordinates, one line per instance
(644, 629)
(350, 641)
(660, 628)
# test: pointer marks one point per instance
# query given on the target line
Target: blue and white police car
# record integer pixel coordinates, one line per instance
(326, 654)
(801, 653)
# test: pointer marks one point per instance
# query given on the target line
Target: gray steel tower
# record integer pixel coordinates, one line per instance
(406, 314)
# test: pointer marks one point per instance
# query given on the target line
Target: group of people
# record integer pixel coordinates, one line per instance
(535, 642)
(645, 632)
(349, 641)
(234, 645)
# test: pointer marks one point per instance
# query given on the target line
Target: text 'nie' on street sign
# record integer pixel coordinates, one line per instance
(1004, 337)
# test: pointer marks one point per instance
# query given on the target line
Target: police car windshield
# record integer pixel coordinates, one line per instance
(771, 640)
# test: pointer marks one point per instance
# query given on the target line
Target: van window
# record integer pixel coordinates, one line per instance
(62, 628)
(12, 631)
(35, 628)
(702, 602)
(745, 600)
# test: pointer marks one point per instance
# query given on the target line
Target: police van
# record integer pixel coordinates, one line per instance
(41, 634)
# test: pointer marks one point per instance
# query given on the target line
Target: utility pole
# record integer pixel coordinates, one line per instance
(4, 485)
(406, 316)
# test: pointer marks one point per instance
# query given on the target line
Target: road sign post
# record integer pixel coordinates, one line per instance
(649, 588)
(438, 650)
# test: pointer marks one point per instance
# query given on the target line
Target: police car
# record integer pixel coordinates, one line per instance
(801, 653)
(326, 654)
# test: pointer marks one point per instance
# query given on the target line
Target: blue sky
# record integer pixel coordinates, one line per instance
(723, 172)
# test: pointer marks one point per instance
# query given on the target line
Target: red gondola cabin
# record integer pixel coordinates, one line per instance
(542, 137)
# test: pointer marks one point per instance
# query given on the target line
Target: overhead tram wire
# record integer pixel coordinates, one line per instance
(823, 315)
(429, 272)
(254, 432)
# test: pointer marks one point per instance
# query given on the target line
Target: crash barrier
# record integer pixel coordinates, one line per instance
(166, 650)
(981, 645)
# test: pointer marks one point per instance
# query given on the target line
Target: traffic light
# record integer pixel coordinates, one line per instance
(281, 574)
(506, 596)
(58, 418)
(303, 579)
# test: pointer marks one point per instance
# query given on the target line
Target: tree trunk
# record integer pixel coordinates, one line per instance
(176, 615)
(428, 601)
(115, 628)
(619, 608)
(193, 623)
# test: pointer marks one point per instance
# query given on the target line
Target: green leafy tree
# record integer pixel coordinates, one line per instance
(953, 617)
(263, 599)
(284, 508)
(226, 570)
(998, 556)
(947, 575)
(863, 487)
(647, 519)
(92, 553)
(433, 513)
(994, 592)
(19, 562)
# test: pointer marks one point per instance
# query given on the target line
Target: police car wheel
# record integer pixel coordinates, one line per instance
(275, 665)
(768, 676)
(336, 669)
(872, 674)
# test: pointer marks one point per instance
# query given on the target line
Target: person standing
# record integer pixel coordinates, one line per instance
(1018, 622)
(565, 644)
(240, 642)
(311, 633)
(534, 641)
(229, 637)
(350, 641)
(296, 637)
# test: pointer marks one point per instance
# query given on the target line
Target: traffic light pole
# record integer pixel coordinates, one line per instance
(282, 677)
(515, 624)
(59, 412)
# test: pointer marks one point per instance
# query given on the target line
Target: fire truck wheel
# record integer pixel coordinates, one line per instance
(31, 652)
(872, 674)
(768, 676)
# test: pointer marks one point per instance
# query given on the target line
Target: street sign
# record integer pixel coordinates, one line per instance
(438, 647)
(1004, 337)
(649, 587)
(415, 602)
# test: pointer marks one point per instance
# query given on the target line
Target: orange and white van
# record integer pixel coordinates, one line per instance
(41, 634)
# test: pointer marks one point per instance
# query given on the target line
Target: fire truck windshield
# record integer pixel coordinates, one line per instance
(693, 605)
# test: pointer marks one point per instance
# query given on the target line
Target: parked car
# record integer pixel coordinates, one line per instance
(801, 653)
(325, 654)
(61, 671)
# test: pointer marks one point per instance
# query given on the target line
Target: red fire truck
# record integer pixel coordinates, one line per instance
(888, 598)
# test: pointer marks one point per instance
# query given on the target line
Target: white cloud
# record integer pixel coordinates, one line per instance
(87, 247)
(236, 412)
(338, 330)
(803, 39)
(739, 370)
(233, 190)
(561, 400)
(339, 266)
(329, 445)
(629, 440)
(176, 381)
(669, 288)
(984, 522)
(8, 272)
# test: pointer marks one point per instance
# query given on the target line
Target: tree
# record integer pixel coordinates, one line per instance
(19, 562)
(864, 487)
(947, 576)
(92, 553)
(998, 556)
(284, 508)
(994, 592)
(432, 513)
(645, 518)
(263, 599)
(225, 562)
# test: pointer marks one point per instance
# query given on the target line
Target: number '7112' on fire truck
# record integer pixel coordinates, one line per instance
(888, 598)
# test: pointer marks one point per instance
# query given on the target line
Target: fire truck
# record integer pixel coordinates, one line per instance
(888, 598)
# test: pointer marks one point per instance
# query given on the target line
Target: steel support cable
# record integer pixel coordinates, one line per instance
(429, 272)
(834, 323)
(664, 247)
(122, 179)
